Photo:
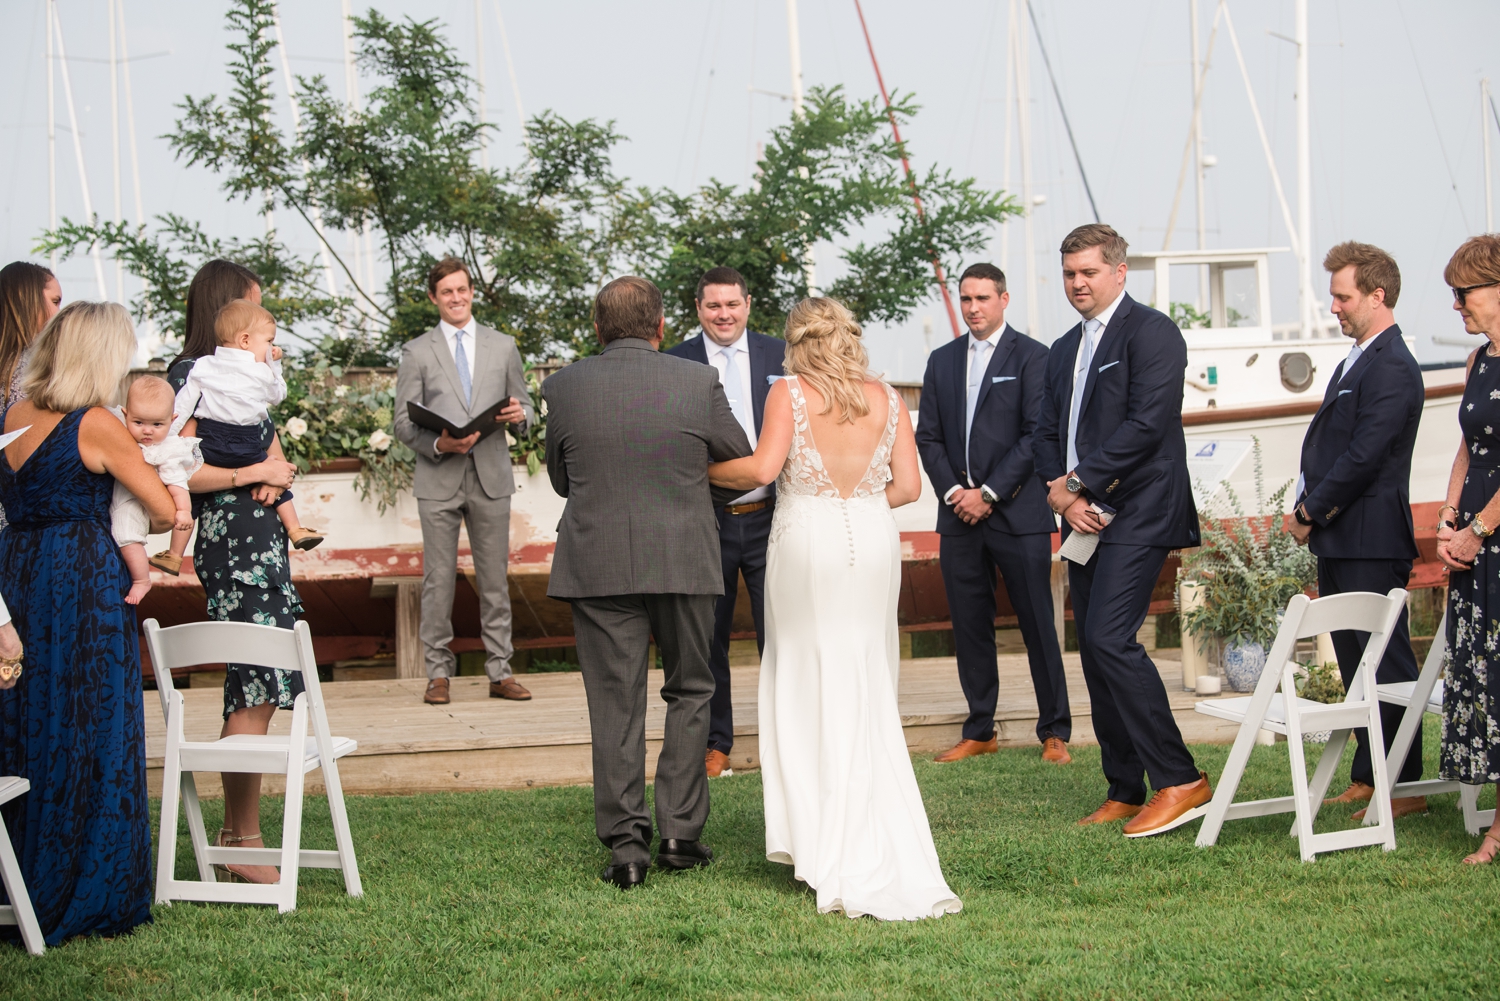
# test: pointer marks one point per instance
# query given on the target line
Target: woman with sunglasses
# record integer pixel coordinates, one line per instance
(1471, 692)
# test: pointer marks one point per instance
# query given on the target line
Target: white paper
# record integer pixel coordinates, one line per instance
(1078, 547)
(6, 439)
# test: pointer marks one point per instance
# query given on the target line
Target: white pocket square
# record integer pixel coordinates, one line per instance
(1109, 366)
(1343, 391)
(1003, 378)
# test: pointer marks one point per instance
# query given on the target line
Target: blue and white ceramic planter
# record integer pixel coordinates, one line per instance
(1243, 664)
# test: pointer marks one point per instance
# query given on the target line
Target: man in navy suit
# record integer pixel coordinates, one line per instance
(1109, 442)
(1353, 498)
(980, 400)
(747, 364)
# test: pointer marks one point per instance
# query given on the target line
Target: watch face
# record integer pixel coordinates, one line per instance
(1074, 484)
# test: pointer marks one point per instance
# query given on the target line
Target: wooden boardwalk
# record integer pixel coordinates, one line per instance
(481, 743)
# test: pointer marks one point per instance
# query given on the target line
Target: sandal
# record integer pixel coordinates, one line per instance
(229, 873)
(1475, 859)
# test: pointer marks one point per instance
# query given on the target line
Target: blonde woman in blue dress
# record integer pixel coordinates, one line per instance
(842, 804)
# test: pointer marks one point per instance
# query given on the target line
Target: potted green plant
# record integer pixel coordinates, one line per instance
(1249, 567)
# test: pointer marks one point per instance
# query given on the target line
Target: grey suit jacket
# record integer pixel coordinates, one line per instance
(630, 434)
(429, 376)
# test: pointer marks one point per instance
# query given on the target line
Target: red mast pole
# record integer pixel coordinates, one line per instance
(937, 266)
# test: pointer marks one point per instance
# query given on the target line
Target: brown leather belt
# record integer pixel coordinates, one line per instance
(746, 508)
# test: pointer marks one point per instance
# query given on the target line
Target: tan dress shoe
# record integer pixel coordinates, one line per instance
(437, 692)
(1055, 750)
(1111, 811)
(167, 562)
(511, 689)
(969, 749)
(1171, 808)
(1401, 806)
(716, 763)
(1357, 792)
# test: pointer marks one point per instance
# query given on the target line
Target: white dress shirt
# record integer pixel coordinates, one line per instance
(981, 349)
(229, 386)
(1088, 346)
(732, 362)
(450, 335)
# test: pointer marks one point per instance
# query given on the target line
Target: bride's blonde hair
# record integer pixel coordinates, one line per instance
(823, 347)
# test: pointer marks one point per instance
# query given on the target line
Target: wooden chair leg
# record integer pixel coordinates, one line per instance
(196, 831)
(1328, 763)
(291, 834)
(1305, 811)
(171, 789)
(1228, 785)
(341, 834)
(20, 900)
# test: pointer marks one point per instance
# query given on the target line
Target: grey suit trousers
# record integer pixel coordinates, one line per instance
(614, 635)
(488, 520)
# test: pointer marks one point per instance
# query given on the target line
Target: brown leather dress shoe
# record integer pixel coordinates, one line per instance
(511, 689)
(1055, 750)
(1357, 792)
(1171, 807)
(437, 692)
(1401, 806)
(1111, 811)
(716, 763)
(969, 749)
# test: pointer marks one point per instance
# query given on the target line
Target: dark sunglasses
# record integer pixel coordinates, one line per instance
(1460, 294)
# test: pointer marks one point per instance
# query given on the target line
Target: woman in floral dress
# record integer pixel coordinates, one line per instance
(240, 557)
(1471, 719)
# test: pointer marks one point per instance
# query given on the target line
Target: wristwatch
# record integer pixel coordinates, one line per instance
(1073, 483)
(988, 494)
(1302, 519)
(1480, 529)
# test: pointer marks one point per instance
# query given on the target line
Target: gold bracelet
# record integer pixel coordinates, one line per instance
(1480, 528)
(234, 478)
(10, 668)
(1446, 507)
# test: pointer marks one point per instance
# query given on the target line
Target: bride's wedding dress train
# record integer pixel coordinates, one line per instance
(842, 804)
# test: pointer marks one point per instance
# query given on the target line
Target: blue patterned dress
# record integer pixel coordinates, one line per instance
(73, 723)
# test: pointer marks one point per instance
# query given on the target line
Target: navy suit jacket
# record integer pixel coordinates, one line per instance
(1131, 452)
(766, 357)
(1356, 457)
(999, 448)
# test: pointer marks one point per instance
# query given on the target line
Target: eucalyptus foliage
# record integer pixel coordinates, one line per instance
(1249, 566)
(540, 237)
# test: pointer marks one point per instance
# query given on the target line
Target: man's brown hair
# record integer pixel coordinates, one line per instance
(989, 271)
(1096, 234)
(239, 315)
(1373, 269)
(628, 307)
(442, 269)
(722, 276)
(1475, 262)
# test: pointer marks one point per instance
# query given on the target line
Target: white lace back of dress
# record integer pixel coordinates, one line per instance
(804, 473)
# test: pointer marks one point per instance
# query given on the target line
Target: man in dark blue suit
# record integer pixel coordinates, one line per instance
(1353, 498)
(747, 364)
(980, 400)
(1109, 447)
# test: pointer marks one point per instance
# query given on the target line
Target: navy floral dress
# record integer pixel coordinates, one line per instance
(73, 723)
(241, 559)
(1471, 734)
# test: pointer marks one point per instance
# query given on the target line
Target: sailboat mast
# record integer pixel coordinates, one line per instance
(1304, 177)
(51, 135)
(1023, 113)
(1484, 131)
(794, 50)
(484, 142)
(114, 133)
(1010, 109)
(1198, 150)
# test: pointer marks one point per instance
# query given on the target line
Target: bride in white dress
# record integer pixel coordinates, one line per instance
(842, 804)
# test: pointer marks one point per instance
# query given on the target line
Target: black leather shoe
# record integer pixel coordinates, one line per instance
(677, 854)
(625, 875)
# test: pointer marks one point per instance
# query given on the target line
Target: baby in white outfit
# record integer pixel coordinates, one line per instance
(147, 416)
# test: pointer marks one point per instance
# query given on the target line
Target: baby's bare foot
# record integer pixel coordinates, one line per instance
(137, 592)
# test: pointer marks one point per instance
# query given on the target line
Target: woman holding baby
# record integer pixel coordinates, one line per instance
(73, 722)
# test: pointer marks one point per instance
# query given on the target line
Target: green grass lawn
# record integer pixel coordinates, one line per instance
(496, 895)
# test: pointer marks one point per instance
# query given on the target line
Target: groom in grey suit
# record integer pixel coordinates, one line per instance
(630, 434)
(459, 369)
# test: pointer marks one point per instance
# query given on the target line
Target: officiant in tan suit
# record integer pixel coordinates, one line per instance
(460, 369)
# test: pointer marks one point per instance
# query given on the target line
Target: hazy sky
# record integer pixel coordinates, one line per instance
(1396, 117)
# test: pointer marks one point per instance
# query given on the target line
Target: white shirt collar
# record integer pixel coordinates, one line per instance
(237, 356)
(738, 344)
(450, 331)
(989, 341)
(1108, 314)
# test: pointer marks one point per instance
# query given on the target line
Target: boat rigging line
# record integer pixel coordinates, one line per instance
(1067, 125)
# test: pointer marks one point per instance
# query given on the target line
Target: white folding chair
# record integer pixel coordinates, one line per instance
(1276, 706)
(1425, 695)
(18, 911)
(292, 755)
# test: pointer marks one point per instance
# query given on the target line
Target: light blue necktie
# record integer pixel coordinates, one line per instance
(977, 366)
(461, 359)
(734, 388)
(1080, 382)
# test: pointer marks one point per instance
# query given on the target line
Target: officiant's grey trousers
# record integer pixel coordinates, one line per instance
(614, 636)
(488, 521)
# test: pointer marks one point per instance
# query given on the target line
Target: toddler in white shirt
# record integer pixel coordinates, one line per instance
(228, 395)
(147, 414)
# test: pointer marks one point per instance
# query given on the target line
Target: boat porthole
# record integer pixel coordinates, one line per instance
(1297, 371)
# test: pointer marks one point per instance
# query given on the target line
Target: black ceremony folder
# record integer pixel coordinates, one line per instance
(485, 423)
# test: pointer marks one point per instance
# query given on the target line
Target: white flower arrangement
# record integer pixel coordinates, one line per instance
(379, 440)
(296, 427)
